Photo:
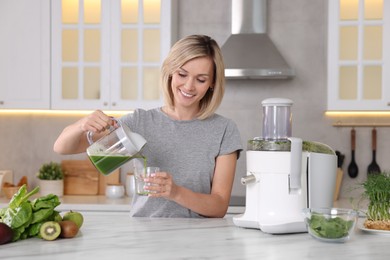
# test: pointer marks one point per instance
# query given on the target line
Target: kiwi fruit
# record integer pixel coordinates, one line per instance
(50, 230)
(69, 229)
(6, 233)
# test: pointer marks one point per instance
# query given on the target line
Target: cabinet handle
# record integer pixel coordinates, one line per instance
(1, 102)
(388, 103)
(113, 104)
(105, 104)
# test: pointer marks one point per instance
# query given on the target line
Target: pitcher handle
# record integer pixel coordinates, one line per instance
(111, 128)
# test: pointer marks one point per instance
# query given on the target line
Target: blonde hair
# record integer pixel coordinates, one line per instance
(186, 49)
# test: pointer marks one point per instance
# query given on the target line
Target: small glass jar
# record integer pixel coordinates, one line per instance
(115, 191)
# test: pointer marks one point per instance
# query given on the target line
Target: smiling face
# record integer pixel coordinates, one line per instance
(191, 82)
(192, 60)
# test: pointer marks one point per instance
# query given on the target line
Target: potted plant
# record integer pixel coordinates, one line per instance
(377, 191)
(51, 179)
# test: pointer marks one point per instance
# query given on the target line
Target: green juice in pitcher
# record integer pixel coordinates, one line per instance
(108, 163)
(114, 149)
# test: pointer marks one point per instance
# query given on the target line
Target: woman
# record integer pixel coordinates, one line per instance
(195, 148)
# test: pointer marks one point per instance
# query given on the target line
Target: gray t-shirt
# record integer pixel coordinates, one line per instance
(185, 149)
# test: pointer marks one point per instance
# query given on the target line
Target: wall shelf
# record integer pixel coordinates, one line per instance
(341, 124)
(359, 118)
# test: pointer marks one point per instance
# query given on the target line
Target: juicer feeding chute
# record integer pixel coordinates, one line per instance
(284, 174)
(277, 118)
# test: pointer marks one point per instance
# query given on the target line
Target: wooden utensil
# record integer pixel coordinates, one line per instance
(373, 168)
(353, 169)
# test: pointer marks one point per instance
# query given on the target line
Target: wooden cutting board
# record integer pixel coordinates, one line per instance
(82, 178)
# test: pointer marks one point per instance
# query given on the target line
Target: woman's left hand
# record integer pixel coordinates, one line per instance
(160, 184)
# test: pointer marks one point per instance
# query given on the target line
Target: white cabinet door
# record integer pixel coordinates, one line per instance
(106, 54)
(359, 55)
(25, 54)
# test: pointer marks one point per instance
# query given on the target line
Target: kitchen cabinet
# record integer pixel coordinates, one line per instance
(359, 55)
(107, 54)
(25, 54)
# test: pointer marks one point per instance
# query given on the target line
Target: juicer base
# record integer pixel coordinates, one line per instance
(286, 228)
(241, 221)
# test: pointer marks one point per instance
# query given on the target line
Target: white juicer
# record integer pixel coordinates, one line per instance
(284, 175)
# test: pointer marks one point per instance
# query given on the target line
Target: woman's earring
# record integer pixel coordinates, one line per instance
(211, 89)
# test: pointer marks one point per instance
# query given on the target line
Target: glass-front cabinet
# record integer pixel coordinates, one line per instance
(106, 54)
(359, 55)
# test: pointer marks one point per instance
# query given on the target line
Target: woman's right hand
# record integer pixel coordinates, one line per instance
(73, 138)
(96, 122)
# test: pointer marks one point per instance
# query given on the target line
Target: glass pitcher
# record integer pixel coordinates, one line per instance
(116, 148)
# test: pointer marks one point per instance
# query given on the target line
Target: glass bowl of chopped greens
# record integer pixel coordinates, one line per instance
(330, 224)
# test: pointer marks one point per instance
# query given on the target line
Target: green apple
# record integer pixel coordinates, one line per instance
(74, 216)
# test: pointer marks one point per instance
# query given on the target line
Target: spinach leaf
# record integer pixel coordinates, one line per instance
(19, 233)
(41, 215)
(16, 217)
(43, 207)
(33, 229)
(21, 196)
(327, 227)
(46, 202)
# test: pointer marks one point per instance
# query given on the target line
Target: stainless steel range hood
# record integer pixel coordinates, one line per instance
(249, 53)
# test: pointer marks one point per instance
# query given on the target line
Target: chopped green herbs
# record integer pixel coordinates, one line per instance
(329, 227)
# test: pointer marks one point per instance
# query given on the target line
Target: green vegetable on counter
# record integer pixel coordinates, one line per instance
(25, 217)
(329, 227)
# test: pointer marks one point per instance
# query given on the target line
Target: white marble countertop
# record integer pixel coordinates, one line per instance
(117, 236)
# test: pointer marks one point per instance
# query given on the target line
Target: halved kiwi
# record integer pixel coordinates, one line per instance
(50, 230)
